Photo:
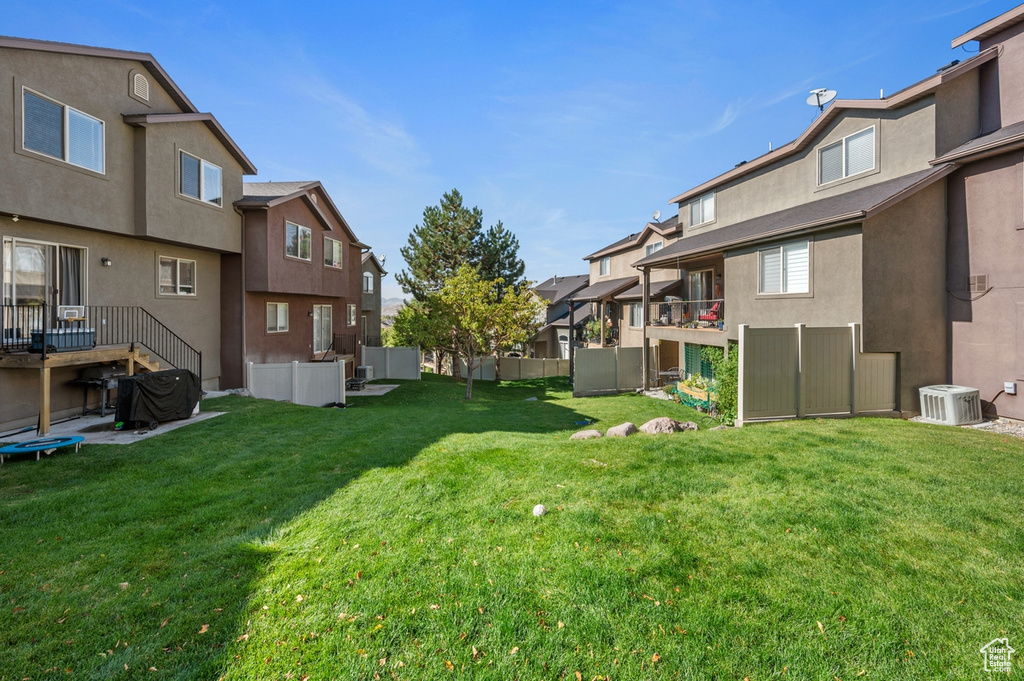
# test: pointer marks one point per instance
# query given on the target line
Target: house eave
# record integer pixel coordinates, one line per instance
(142, 120)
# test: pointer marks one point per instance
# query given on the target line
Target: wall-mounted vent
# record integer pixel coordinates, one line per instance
(312, 197)
(950, 405)
(140, 87)
(977, 283)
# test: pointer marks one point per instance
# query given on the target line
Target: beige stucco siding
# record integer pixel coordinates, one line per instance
(620, 264)
(904, 143)
(835, 286)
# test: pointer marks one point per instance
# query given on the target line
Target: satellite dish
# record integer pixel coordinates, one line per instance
(821, 97)
(383, 258)
(657, 215)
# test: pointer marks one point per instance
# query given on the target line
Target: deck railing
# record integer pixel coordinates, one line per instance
(36, 328)
(693, 314)
(344, 343)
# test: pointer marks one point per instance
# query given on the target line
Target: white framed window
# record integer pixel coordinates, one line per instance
(352, 314)
(61, 132)
(36, 272)
(653, 248)
(367, 282)
(785, 269)
(177, 276)
(298, 241)
(636, 315)
(322, 328)
(702, 209)
(333, 253)
(605, 266)
(849, 156)
(277, 317)
(199, 179)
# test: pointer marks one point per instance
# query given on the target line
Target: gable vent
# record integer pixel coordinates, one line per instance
(140, 87)
(312, 197)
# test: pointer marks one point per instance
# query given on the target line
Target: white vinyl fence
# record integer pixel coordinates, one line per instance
(799, 371)
(518, 369)
(311, 383)
(600, 371)
(401, 363)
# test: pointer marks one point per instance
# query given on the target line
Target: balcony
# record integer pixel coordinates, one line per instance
(705, 315)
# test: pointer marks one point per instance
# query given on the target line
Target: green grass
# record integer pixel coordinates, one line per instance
(395, 539)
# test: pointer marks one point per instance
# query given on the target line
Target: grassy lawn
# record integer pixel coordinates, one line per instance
(395, 539)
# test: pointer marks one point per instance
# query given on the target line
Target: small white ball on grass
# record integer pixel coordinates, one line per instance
(539, 510)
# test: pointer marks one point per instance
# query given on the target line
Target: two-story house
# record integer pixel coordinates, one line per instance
(116, 207)
(846, 224)
(293, 293)
(373, 272)
(616, 293)
(554, 335)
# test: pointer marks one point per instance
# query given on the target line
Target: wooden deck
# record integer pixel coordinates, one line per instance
(122, 354)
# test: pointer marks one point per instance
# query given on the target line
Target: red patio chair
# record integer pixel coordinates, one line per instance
(712, 314)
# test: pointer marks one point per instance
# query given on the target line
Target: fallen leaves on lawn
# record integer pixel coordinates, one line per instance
(821, 627)
(514, 650)
(203, 629)
(448, 665)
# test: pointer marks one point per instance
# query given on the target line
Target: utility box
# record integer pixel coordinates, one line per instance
(365, 372)
(951, 405)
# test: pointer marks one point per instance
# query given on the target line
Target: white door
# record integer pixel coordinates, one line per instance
(322, 328)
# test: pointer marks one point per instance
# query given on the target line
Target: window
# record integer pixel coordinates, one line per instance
(653, 248)
(298, 241)
(367, 282)
(702, 210)
(332, 252)
(277, 317)
(35, 272)
(177, 276)
(849, 156)
(636, 315)
(322, 328)
(784, 269)
(63, 133)
(351, 314)
(200, 179)
(606, 266)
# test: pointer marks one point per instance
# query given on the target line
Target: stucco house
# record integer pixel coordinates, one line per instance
(373, 272)
(295, 288)
(847, 224)
(116, 209)
(553, 337)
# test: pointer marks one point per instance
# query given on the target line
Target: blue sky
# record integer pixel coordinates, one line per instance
(570, 122)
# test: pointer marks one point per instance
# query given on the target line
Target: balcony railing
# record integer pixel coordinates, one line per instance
(35, 328)
(344, 344)
(371, 341)
(689, 314)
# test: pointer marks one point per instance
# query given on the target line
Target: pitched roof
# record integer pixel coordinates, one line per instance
(991, 27)
(556, 289)
(142, 120)
(669, 226)
(996, 142)
(658, 289)
(896, 100)
(264, 195)
(841, 209)
(563, 321)
(377, 263)
(155, 70)
(605, 288)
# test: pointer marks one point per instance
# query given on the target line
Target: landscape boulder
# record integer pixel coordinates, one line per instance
(622, 430)
(586, 435)
(664, 424)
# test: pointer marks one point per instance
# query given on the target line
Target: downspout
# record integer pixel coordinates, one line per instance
(572, 341)
(241, 296)
(644, 307)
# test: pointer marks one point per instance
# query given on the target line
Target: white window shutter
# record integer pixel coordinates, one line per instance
(797, 278)
(830, 163)
(860, 152)
(771, 271)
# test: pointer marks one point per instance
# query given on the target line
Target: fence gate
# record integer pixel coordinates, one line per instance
(798, 371)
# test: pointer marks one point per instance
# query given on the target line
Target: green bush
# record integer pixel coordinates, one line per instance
(726, 383)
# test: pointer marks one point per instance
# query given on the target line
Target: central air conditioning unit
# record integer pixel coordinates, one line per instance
(365, 372)
(951, 405)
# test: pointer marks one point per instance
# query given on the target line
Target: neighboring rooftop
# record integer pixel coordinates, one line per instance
(556, 289)
(996, 142)
(268, 191)
(261, 195)
(605, 288)
(991, 27)
(668, 226)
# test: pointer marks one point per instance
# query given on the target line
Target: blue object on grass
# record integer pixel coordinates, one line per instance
(46, 444)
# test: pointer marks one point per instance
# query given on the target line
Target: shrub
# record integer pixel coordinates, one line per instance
(726, 383)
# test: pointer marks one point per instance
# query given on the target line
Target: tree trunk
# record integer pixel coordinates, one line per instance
(469, 378)
(456, 368)
(497, 367)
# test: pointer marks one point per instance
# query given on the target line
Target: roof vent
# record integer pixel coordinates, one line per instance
(947, 66)
(312, 197)
(140, 87)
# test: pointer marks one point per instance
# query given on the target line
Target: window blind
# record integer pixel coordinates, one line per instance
(190, 176)
(830, 163)
(211, 183)
(771, 271)
(85, 141)
(860, 152)
(44, 126)
(796, 268)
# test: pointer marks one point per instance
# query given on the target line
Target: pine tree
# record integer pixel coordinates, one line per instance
(448, 238)
(499, 258)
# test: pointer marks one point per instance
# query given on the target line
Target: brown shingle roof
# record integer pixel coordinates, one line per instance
(605, 288)
(996, 142)
(557, 288)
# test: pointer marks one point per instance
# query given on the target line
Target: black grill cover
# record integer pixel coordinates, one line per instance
(157, 396)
